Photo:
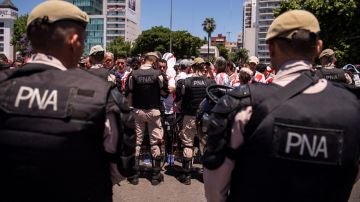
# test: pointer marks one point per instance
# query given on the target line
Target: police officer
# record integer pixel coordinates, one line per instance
(53, 117)
(328, 69)
(97, 58)
(189, 93)
(184, 67)
(296, 139)
(145, 86)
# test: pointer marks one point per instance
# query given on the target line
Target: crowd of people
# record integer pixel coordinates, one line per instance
(279, 133)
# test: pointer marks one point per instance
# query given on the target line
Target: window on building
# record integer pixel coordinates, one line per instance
(1, 24)
(116, 1)
(263, 29)
(262, 35)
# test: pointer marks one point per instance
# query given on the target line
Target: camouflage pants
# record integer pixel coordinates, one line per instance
(152, 118)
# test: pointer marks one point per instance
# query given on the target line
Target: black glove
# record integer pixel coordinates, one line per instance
(219, 131)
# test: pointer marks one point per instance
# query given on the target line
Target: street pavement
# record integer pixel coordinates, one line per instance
(171, 190)
(355, 195)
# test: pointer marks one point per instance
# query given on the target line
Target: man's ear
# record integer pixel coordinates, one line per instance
(319, 47)
(73, 39)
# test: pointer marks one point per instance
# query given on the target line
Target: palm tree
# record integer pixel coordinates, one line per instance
(209, 26)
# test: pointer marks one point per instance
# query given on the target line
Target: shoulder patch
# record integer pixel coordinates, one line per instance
(144, 79)
(311, 144)
(35, 99)
(240, 91)
(226, 104)
(198, 82)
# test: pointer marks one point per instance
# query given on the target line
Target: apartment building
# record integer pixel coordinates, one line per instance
(258, 16)
(8, 15)
(110, 19)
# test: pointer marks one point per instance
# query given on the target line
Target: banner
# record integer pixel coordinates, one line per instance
(131, 11)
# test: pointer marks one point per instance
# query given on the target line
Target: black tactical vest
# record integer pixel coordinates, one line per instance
(100, 70)
(195, 92)
(307, 149)
(51, 135)
(146, 88)
(334, 74)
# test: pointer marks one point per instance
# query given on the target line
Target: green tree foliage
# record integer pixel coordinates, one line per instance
(19, 39)
(239, 57)
(158, 39)
(339, 23)
(209, 26)
(223, 52)
(119, 47)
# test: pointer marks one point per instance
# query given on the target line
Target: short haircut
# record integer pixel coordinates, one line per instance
(163, 61)
(230, 65)
(220, 64)
(328, 59)
(135, 63)
(110, 54)
(302, 43)
(122, 57)
(261, 67)
(198, 67)
(183, 66)
(45, 35)
(244, 77)
(97, 57)
(150, 58)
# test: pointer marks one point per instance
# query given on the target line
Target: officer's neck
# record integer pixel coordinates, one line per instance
(286, 58)
(146, 65)
(197, 74)
(65, 60)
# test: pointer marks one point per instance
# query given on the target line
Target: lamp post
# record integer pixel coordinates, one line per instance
(171, 8)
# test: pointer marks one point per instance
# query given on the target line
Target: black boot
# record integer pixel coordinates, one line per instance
(156, 176)
(135, 178)
(185, 177)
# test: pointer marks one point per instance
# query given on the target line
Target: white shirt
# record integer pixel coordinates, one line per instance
(181, 75)
(168, 102)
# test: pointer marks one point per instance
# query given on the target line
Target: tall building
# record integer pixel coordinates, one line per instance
(110, 19)
(8, 15)
(91, 7)
(123, 18)
(257, 17)
(249, 26)
(239, 40)
(265, 17)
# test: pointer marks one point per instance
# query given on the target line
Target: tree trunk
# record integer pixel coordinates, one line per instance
(209, 35)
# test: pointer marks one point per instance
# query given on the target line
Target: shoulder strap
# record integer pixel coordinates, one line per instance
(187, 82)
(277, 99)
(26, 70)
(118, 97)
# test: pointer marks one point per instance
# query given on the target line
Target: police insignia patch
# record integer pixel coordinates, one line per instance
(312, 144)
(34, 99)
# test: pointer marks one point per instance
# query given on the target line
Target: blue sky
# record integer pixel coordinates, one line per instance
(187, 14)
